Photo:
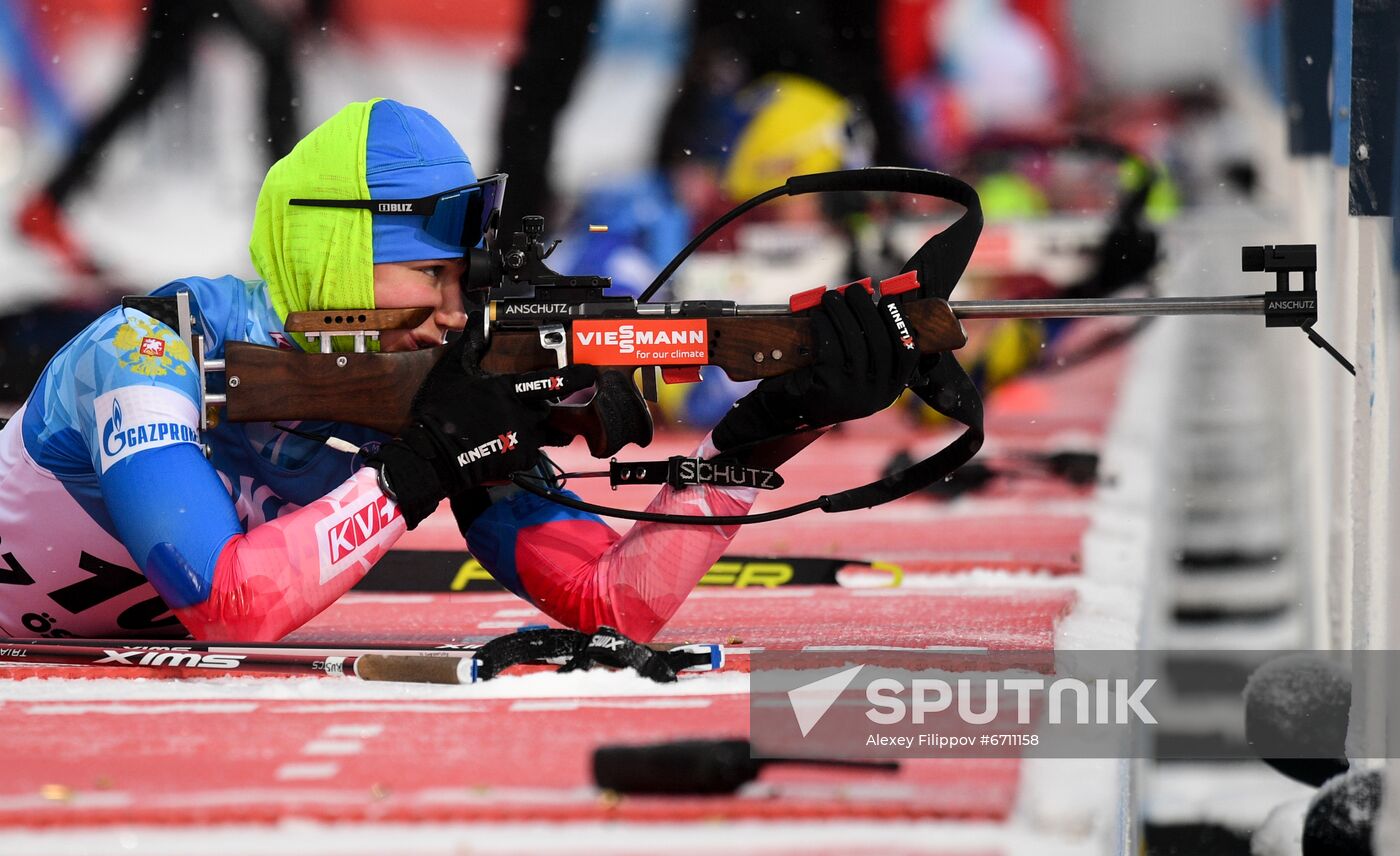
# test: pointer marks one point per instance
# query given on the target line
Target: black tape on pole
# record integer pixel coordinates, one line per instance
(1307, 68)
(1375, 34)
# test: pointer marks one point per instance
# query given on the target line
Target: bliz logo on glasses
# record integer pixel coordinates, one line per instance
(394, 208)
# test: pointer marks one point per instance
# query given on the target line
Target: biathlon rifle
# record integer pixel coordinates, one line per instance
(539, 319)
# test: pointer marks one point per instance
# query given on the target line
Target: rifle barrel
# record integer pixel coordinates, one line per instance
(1239, 304)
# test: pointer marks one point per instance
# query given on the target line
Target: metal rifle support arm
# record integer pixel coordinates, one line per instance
(1282, 307)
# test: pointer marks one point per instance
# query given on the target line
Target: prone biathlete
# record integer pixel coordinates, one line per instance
(120, 516)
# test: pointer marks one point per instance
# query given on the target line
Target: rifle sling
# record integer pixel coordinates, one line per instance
(945, 386)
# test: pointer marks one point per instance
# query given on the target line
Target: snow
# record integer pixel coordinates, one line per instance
(1236, 795)
(538, 685)
(1281, 833)
(313, 839)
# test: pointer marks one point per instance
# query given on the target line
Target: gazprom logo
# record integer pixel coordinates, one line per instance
(133, 419)
(113, 427)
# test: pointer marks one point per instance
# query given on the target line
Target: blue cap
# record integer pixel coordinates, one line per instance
(409, 155)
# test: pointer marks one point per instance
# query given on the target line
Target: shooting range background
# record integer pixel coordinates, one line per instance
(1217, 432)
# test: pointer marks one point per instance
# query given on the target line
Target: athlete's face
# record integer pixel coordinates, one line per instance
(431, 283)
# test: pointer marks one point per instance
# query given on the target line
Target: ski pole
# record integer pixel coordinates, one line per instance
(434, 667)
(444, 662)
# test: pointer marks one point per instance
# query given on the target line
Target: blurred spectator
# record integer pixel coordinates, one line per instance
(172, 31)
(966, 68)
(732, 44)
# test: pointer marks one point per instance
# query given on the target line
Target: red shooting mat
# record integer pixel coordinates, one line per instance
(410, 754)
(200, 762)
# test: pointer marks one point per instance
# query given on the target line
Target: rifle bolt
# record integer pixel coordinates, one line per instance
(758, 356)
(341, 362)
(777, 354)
(233, 381)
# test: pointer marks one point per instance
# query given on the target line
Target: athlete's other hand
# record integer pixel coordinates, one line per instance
(865, 357)
(469, 428)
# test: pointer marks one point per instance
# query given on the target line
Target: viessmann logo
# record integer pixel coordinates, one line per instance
(677, 341)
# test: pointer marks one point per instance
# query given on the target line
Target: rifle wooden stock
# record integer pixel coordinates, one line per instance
(375, 390)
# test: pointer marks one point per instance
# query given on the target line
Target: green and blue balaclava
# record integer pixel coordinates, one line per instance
(322, 258)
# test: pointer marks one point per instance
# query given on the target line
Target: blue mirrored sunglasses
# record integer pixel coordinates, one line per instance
(464, 216)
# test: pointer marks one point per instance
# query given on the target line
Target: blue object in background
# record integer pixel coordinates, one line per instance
(1264, 35)
(1341, 81)
(33, 75)
(646, 227)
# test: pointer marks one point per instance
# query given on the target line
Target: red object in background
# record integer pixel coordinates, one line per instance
(41, 223)
(58, 21)
(908, 53)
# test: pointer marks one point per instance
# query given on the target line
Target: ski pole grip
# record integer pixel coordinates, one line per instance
(416, 669)
(681, 767)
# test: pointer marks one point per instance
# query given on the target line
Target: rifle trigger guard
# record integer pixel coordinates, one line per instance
(554, 338)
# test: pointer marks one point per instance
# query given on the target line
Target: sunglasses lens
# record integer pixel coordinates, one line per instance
(465, 217)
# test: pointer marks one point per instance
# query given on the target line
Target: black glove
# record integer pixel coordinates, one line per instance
(866, 356)
(470, 428)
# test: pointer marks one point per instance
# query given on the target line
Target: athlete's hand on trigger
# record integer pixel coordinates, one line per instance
(470, 428)
(865, 357)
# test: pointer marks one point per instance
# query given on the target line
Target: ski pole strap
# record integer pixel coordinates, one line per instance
(606, 647)
(525, 646)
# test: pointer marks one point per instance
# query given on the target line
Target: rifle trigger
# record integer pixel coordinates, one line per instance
(649, 382)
